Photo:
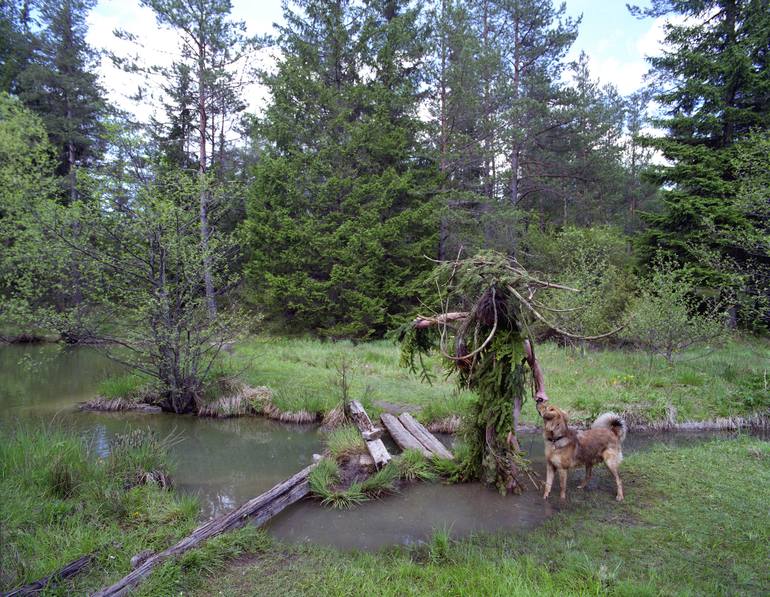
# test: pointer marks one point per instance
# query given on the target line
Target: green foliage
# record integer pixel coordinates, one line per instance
(413, 466)
(323, 479)
(382, 482)
(341, 213)
(129, 386)
(593, 260)
(343, 442)
(714, 88)
(61, 501)
(60, 85)
(666, 318)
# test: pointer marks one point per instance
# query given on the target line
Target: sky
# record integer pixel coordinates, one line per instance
(615, 42)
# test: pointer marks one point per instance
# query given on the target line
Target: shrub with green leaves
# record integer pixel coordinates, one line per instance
(667, 317)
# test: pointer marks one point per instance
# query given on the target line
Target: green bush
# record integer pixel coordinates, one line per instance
(667, 317)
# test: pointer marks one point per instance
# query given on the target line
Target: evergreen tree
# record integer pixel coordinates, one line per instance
(59, 84)
(15, 42)
(714, 82)
(341, 213)
(204, 96)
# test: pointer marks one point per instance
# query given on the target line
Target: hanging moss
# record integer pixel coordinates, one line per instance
(480, 323)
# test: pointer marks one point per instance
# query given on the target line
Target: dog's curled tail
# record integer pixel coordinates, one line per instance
(613, 422)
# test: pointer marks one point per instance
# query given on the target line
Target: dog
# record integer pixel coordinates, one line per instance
(567, 448)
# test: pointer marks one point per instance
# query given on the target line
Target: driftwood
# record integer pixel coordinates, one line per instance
(424, 436)
(443, 319)
(68, 571)
(361, 420)
(402, 437)
(258, 510)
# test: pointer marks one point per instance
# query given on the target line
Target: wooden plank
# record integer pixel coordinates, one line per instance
(258, 509)
(404, 439)
(379, 452)
(424, 436)
(376, 448)
(51, 580)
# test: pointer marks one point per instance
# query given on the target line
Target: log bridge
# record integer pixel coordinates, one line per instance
(405, 430)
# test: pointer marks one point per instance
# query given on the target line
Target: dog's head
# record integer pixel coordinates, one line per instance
(554, 419)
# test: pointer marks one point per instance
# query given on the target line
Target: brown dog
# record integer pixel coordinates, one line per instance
(567, 448)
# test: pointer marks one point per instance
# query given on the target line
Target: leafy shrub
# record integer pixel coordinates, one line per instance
(667, 316)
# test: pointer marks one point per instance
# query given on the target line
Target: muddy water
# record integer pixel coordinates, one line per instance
(413, 515)
(228, 461)
(223, 461)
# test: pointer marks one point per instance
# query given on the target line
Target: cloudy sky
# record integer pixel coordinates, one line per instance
(615, 42)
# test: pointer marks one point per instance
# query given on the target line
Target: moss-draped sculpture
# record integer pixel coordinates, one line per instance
(481, 327)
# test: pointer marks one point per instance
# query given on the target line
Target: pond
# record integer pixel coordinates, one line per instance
(225, 462)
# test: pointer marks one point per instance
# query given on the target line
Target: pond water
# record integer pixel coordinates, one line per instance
(225, 462)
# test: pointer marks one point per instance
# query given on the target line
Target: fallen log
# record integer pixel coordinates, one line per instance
(64, 573)
(402, 437)
(258, 509)
(376, 448)
(424, 436)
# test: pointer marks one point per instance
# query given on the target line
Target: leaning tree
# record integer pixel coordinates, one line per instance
(483, 308)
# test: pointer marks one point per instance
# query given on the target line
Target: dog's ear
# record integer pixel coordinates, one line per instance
(564, 416)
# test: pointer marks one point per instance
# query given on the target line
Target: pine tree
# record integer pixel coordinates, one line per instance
(15, 42)
(212, 46)
(341, 213)
(59, 84)
(713, 81)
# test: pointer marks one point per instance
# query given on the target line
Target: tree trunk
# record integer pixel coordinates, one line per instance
(204, 219)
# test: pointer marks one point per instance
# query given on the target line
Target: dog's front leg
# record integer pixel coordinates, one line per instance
(549, 471)
(563, 483)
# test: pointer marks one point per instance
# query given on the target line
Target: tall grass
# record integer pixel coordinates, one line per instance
(60, 501)
(708, 382)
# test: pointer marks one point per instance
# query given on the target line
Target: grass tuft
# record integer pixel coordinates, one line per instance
(413, 466)
(344, 442)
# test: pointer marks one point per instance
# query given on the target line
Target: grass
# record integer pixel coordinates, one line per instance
(128, 387)
(413, 466)
(59, 501)
(344, 441)
(708, 383)
(695, 522)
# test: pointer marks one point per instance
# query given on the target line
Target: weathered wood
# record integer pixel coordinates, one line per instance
(442, 319)
(67, 571)
(376, 448)
(258, 509)
(402, 437)
(424, 436)
(370, 436)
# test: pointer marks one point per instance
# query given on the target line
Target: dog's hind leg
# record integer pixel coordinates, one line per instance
(613, 463)
(584, 484)
(549, 470)
(563, 483)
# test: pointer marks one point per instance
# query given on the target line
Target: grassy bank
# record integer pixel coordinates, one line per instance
(709, 383)
(59, 500)
(695, 522)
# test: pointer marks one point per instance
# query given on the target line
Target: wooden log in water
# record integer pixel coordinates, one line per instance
(402, 437)
(67, 571)
(376, 448)
(424, 436)
(258, 509)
